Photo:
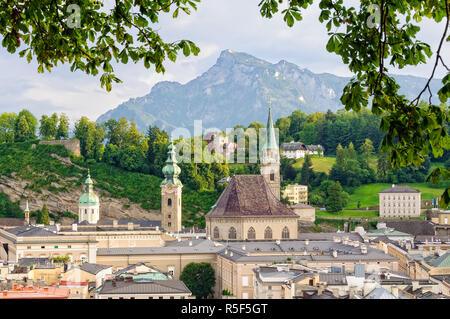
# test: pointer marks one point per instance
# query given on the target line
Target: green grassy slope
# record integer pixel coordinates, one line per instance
(368, 194)
(22, 161)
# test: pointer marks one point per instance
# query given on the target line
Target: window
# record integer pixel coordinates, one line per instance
(268, 233)
(245, 281)
(171, 270)
(69, 246)
(232, 233)
(245, 295)
(43, 247)
(169, 224)
(285, 233)
(169, 202)
(169, 216)
(272, 176)
(109, 297)
(216, 232)
(251, 234)
(172, 297)
(132, 298)
(161, 297)
(150, 297)
(28, 247)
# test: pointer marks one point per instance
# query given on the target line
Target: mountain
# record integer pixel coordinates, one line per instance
(236, 90)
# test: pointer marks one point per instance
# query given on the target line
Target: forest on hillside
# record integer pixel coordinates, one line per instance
(353, 139)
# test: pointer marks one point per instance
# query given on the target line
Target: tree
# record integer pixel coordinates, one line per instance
(377, 36)
(63, 127)
(199, 278)
(45, 219)
(89, 36)
(367, 149)
(335, 200)
(7, 123)
(22, 129)
(307, 173)
(91, 136)
(49, 126)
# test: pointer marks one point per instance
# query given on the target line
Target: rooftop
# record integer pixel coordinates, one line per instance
(143, 287)
(249, 195)
(400, 189)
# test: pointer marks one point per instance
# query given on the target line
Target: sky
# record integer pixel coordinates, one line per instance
(217, 25)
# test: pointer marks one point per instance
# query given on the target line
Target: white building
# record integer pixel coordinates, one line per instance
(298, 150)
(399, 201)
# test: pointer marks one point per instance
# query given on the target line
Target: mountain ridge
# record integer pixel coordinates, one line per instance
(236, 90)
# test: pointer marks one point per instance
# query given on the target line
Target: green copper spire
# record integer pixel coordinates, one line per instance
(88, 198)
(271, 143)
(171, 170)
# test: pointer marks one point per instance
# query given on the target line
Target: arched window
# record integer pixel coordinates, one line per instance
(268, 233)
(169, 202)
(216, 232)
(272, 176)
(251, 234)
(232, 233)
(285, 233)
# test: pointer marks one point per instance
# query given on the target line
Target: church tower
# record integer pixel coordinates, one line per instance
(27, 214)
(270, 158)
(88, 204)
(171, 194)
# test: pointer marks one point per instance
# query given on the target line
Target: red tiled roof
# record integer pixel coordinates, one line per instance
(249, 195)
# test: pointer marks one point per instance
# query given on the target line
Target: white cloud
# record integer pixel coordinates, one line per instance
(215, 26)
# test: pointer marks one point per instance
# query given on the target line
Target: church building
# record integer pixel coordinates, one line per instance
(250, 207)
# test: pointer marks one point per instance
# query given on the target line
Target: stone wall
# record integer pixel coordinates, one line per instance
(72, 145)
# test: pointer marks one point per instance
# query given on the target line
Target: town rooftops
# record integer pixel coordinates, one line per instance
(33, 231)
(35, 293)
(11, 222)
(93, 268)
(389, 232)
(413, 227)
(441, 261)
(400, 189)
(249, 195)
(158, 287)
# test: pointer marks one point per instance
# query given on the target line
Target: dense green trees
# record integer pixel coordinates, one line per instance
(43, 216)
(63, 127)
(336, 199)
(200, 279)
(7, 127)
(351, 168)
(331, 129)
(91, 136)
(48, 128)
(8, 208)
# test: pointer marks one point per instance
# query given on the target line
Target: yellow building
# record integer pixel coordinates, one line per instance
(296, 194)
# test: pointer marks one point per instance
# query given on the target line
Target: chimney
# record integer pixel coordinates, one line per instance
(335, 254)
(74, 227)
(58, 227)
(243, 247)
(130, 226)
(306, 242)
(278, 241)
(190, 243)
(363, 249)
(115, 223)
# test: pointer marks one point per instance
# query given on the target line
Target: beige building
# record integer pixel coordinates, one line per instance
(296, 194)
(305, 212)
(399, 201)
(442, 226)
